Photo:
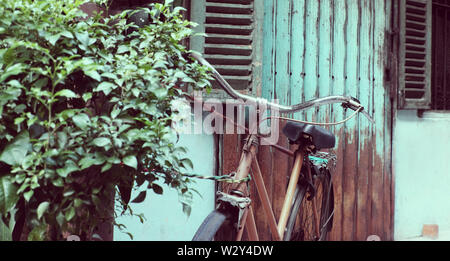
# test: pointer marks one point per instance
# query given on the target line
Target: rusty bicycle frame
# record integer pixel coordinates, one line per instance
(237, 193)
(249, 161)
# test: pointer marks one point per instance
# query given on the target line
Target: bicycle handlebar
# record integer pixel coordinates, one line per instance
(347, 101)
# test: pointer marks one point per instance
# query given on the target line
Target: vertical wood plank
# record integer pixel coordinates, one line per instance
(268, 50)
(282, 94)
(297, 53)
(231, 153)
(282, 51)
(324, 56)
(265, 154)
(365, 93)
(350, 169)
(311, 53)
(379, 97)
(338, 88)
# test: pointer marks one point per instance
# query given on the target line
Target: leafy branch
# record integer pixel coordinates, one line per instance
(85, 109)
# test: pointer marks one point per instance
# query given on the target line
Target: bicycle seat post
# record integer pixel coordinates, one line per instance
(287, 204)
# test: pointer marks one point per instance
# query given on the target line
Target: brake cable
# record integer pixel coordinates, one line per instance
(317, 123)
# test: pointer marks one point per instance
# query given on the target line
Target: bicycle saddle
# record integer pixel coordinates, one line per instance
(321, 138)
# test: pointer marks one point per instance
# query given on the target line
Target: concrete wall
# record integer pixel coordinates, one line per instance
(165, 220)
(421, 161)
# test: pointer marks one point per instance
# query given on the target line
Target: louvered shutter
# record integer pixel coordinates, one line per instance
(415, 54)
(229, 26)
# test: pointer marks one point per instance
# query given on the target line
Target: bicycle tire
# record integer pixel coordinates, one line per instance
(210, 226)
(300, 225)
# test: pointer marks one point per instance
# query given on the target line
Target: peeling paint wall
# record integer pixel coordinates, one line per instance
(332, 47)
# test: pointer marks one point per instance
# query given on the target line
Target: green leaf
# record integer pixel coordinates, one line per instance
(66, 114)
(106, 87)
(66, 93)
(109, 75)
(123, 49)
(28, 161)
(60, 218)
(70, 214)
(90, 160)
(187, 162)
(58, 182)
(160, 93)
(42, 208)
(68, 168)
(19, 120)
(16, 150)
(52, 39)
(84, 39)
(38, 233)
(115, 112)
(136, 92)
(5, 232)
(186, 209)
(40, 83)
(77, 202)
(157, 189)
(12, 70)
(87, 96)
(9, 55)
(96, 200)
(81, 120)
(68, 193)
(106, 167)
(8, 194)
(101, 142)
(67, 34)
(27, 195)
(130, 235)
(93, 74)
(62, 139)
(140, 198)
(97, 237)
(86, 162)
(130, 161)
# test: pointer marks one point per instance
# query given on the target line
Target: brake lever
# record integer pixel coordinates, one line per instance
(354, 104)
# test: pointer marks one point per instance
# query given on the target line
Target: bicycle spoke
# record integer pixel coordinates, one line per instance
(305, 226)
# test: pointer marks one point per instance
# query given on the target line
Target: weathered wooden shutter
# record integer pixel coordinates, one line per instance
(415, 54)
(229, 26)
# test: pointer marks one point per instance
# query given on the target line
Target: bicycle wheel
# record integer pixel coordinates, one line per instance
(301, 225)
(210, 226)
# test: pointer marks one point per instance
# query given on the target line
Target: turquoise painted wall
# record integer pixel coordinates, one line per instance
(165, 220)
(422, 172)
(338, 47)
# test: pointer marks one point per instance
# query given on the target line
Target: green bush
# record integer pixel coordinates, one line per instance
(85, 109)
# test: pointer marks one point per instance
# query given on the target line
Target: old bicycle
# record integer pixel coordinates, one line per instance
(307, 211)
